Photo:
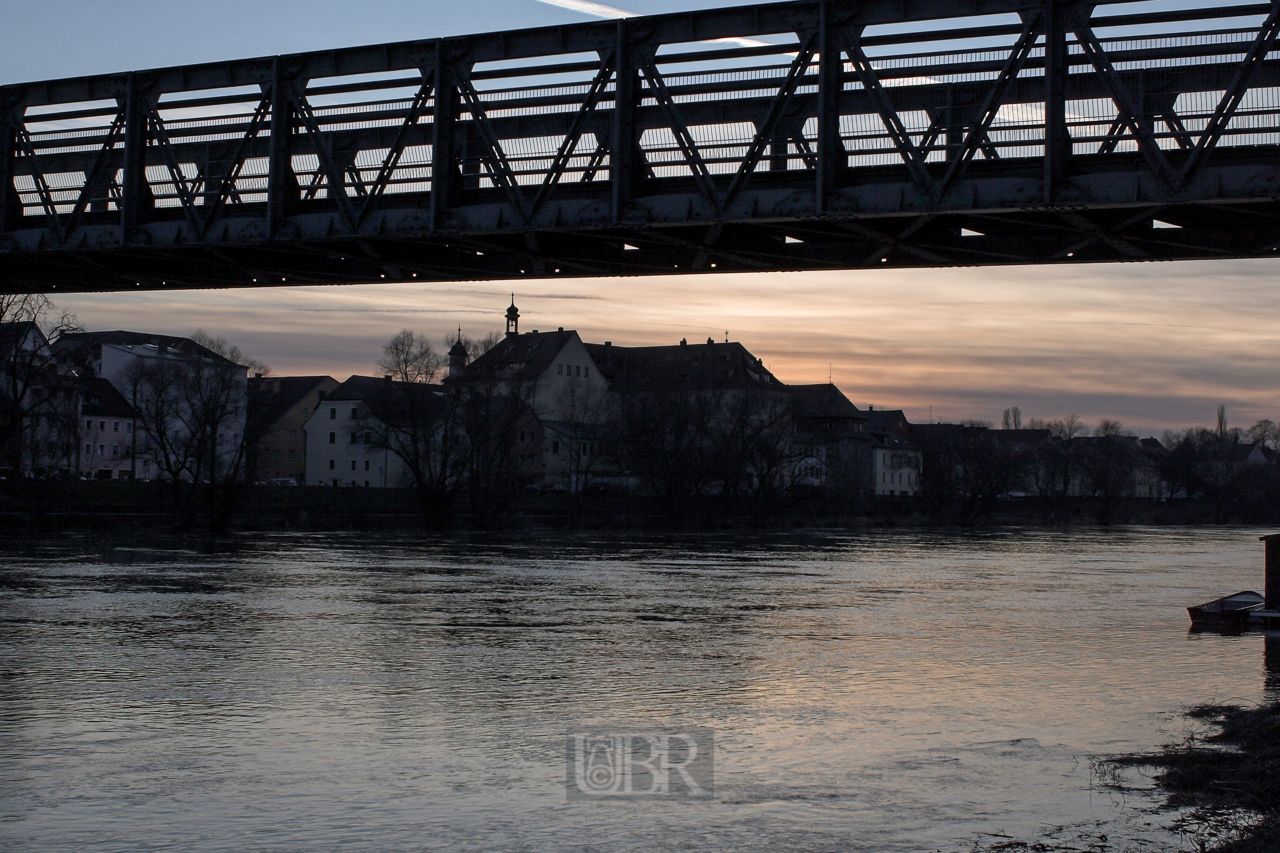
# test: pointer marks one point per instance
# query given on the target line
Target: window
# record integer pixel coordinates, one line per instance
(333, 438)
(291, 456)
(335, 481)
(884, 478)
(128, 427)
(368, 438)
(355, 437)
(88, 424)
(115, 426)
(586, 372)
(355, 413)
(333, 416)
(331, 467)
(293, 433)
(304, 411)
(522, 434)
(555, 448)
(353, 464)
(115, 450)
(102, 449)
(577, 371)
(88, 448)
(102, 426)
(559, 370)
(366, 467)
(366, 484)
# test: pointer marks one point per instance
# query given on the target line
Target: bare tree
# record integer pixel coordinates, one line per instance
(30, 383)
(1264, 432)
(191, 410)
(419, 422)
(1109, 465)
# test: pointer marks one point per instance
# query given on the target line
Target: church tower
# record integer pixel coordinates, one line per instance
(457, 357)
(513, 318)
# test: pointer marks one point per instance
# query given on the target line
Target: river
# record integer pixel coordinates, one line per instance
(882, 691)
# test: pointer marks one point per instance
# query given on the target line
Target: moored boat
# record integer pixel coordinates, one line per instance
(1230, 611)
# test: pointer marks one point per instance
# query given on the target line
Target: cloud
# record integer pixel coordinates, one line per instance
(1155, 345)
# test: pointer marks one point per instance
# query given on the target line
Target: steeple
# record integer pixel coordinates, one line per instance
(457, 357)
(513, 318)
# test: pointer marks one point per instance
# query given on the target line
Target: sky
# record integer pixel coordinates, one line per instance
(1155, 345)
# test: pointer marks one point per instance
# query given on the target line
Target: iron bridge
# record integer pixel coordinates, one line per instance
(810, 135)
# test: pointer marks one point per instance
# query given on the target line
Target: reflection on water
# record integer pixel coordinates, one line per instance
(875, 692)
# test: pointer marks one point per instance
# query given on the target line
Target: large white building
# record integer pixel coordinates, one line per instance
(346, 440)
(181, 408)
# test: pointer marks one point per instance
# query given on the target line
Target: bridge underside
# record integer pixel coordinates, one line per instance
(789, 136)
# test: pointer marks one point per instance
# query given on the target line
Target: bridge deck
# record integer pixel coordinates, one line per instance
(785, 136)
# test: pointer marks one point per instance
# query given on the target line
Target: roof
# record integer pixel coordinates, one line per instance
(99, 398)
(389, 401)
(710, 364)
(887, 420)
(524, 356)
(13, 335)
(823, 401)
(270, 397)
(79, 342)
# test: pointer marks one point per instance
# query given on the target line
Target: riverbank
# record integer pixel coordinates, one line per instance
(51, 506)
(1225, 776)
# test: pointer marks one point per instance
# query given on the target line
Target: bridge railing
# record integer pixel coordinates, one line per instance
(735, 115)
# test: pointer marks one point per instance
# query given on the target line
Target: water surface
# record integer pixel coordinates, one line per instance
(882, 692)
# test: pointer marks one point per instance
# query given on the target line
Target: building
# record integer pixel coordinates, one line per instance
(107, 449)
(189, 404)
(279, 408)
(895, 467)
(362, 431)
(24, 362)
(556, 443)
(835, 435)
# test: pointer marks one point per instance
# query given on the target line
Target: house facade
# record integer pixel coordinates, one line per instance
(279, 409)
(346, 436)
(189, 405)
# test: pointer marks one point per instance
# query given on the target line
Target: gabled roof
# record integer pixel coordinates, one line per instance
(888, 421)
(519, 357)
(270, 397)
(78, 343)
(99, 398)
(14, 335)
(390, 401)
(823, 401)
(704, 365)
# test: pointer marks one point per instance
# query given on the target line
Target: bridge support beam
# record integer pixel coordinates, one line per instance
(444, 144)
(831, 151)
(282, 182)
(625, 157)
(1057, 137)
(136, 199)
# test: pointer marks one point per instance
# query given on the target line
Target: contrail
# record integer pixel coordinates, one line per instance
(586, 7)
(599, 10)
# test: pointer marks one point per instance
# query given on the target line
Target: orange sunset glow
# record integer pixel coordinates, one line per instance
(1154, 345)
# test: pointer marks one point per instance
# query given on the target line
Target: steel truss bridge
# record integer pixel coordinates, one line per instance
(820, 134)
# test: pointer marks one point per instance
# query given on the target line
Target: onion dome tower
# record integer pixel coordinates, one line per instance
(457, 357)
(513, 318)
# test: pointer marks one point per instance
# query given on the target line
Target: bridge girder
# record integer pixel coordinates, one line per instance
(635, 148)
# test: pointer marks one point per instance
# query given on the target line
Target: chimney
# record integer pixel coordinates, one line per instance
(1271, 592)
(683, 342)
(608, 351)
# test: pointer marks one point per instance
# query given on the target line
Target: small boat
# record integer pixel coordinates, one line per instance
(1231, 611)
